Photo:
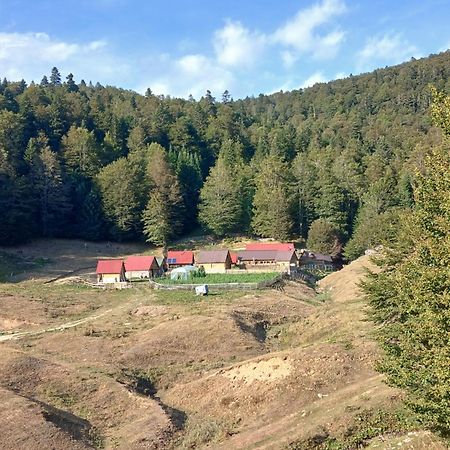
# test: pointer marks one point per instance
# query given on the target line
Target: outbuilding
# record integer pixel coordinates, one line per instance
(140, 267)
(110, 271)
(214, 261)
(268, 260)
(316, 261)
(179, 258)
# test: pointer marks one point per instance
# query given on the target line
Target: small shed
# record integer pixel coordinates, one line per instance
(141, 266)
(182, 273)
(179, 258)
(110, 271)
(214, 261)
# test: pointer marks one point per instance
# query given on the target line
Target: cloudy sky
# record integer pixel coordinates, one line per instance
(185, 47)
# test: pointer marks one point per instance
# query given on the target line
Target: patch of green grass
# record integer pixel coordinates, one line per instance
(163, 297)
(215, 278)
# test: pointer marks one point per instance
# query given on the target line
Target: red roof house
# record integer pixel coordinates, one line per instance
(141, 266)
(279, 246)
(179, 258)
(110, 271)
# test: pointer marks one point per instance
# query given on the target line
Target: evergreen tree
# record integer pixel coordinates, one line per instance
(163, 216)
(55, 77)
(44, 81)
(410, 295)
(51, 193)
(71, 86)
(273, 200)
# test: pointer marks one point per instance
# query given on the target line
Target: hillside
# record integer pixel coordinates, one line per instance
(98, 162)
(150, 369)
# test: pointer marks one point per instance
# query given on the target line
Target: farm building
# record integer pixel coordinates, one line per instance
(268, 260)
(316, 261)
(182, 273)
(179, 258)
(279, 246)
(214, 261)
(110, 271)
(137, 267)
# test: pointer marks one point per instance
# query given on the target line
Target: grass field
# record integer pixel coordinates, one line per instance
(214, 278)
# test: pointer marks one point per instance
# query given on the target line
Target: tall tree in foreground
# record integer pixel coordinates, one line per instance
(410, 297)
(273, 201)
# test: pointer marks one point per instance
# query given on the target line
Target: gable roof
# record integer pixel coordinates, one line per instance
(109, 266)
(180, 257)
(280, 246)
(266, 255)
(212, 256)
(139, 263)
(309, 255)
(234, 257)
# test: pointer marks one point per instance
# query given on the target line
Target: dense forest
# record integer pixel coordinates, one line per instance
(333, 164)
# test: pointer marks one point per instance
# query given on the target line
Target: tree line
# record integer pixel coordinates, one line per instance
(333, 164)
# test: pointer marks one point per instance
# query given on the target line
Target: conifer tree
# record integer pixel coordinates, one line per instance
(55, 77)
(410, 295)
(273, 200)
(163, 216)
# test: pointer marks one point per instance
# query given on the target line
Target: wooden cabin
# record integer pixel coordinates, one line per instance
(268, 260)
(214, 261)
(316, 261)
(179, 258)
(110, 271)
(141, 267)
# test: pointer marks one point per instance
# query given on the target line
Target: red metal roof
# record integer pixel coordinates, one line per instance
(109, 266)
(234, 257)
(280, 246)
(139, 263)
(180, 257)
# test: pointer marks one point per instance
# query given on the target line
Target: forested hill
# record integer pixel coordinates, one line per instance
(100, 162)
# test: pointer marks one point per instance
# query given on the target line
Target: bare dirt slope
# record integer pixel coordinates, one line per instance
(143, 369)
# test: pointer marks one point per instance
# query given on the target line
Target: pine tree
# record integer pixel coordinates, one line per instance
(323, 237)
(44, 81)
(55, 77)
(273, 200)
(163, 216)
(410, 297)
(71, 86)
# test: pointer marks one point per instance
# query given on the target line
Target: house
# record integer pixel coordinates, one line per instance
(162, 263)
(110, 271)
(280, 246)
(268, 260)
(234, 258)
(141, 266)
(179, 258)
(316, 261)
(214, 261)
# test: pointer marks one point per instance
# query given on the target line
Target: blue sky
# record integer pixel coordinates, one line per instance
(180, 47)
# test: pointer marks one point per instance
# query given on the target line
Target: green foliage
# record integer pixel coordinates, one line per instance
(273, 200)
(323, 237)
(410, 297)
(346, 144)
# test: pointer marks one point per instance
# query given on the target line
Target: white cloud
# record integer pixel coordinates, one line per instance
(301, 34)
(316, 77)
(385, 49)
(190, 74)
(31, 55)
(236, 46)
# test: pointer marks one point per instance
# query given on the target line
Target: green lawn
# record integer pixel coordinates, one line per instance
(214, 278)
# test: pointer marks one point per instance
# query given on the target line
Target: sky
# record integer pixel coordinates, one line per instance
(181, 48)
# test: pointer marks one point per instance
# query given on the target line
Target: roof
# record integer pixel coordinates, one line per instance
(309, 255)
(266, 255)
(180, 257)
(280, 246)
(212, 256)
(109, 266)
(139, 263)
(234, 257)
